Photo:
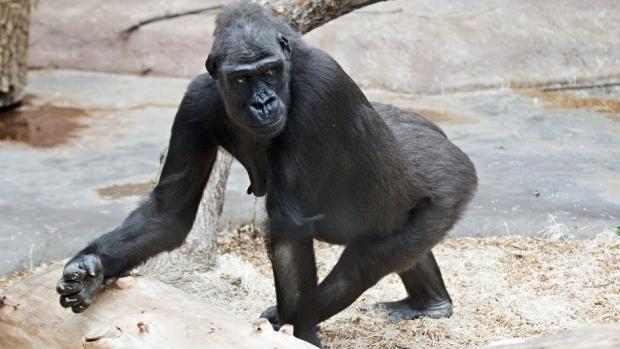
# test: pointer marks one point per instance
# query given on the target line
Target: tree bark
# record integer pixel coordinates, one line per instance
(14, 23)
(199, 249)
(308, 14)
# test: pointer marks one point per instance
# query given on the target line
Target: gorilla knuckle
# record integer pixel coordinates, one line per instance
(65, 287)
(73, 272)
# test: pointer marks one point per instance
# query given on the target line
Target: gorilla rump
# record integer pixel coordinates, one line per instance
(385, 183)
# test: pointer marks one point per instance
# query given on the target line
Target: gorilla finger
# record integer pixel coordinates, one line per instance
(65, 287)
(91, 264)
(75, 299)
(73, 272)
(69, 301)
(81, 307)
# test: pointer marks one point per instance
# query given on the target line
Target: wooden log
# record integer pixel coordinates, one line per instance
(14, 23)
(134, 313)
(595, 337)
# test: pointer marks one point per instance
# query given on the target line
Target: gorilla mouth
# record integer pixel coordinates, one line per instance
(271, 124)
(275, 124)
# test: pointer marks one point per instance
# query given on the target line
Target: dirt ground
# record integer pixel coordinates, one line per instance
(508, 287)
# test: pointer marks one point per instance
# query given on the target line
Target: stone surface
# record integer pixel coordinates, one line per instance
(539, 155)
(53, 200)
(548, 163)
(422, 47)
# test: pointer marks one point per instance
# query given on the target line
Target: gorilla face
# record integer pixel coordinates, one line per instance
(252, 75)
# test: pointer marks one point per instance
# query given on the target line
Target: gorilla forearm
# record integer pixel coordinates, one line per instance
(146, 232)
(163, 221)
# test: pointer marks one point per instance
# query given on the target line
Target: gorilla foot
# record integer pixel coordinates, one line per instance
(406, 309)
(274, 318)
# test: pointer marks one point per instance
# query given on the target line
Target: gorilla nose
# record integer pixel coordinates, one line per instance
(264, 106)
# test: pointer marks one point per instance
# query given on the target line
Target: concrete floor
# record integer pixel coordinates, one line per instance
(547, 162)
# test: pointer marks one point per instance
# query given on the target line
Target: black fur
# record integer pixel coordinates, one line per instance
(386, 183)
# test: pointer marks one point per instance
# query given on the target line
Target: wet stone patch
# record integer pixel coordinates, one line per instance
(599, 100)
(117, 191)
(40, 125)
(438, 116)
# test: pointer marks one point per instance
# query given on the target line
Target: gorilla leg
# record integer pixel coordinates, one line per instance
(294, 270)
(365, 262)
(427, 294)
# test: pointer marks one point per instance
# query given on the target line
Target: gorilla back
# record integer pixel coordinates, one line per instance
(386, 183)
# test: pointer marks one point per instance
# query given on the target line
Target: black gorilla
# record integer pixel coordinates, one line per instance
(386, 183)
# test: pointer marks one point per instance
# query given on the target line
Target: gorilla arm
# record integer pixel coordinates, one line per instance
(163, 220)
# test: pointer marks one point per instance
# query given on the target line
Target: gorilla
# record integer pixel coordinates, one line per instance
(385, 183)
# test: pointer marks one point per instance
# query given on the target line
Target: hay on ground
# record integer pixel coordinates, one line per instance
(502, 287)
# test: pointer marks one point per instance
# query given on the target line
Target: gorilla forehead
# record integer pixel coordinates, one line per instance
(247, 32)
(236, 15)
(248, 44)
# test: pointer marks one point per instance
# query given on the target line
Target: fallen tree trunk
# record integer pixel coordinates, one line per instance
(134, 313)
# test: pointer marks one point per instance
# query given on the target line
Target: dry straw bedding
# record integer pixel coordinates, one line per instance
(502, 287)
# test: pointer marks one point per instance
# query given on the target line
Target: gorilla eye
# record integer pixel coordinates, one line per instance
(242, 78)
(268, 72)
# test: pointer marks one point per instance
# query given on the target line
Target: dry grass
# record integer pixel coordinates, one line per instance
(502, 287)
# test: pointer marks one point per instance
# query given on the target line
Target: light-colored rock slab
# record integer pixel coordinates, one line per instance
(422, 47)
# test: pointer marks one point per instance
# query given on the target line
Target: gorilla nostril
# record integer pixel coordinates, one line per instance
(257, 106)
(270, 100)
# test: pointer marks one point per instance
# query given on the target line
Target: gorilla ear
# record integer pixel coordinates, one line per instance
(283, 41)
(211, 66)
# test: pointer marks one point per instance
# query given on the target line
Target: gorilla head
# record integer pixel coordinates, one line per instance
(251, 61)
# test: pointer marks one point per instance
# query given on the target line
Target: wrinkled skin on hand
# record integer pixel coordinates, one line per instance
(82, 277)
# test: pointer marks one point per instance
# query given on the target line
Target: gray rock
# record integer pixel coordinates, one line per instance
(421, 47)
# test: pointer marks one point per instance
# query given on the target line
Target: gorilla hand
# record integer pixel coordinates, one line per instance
(82, 277)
